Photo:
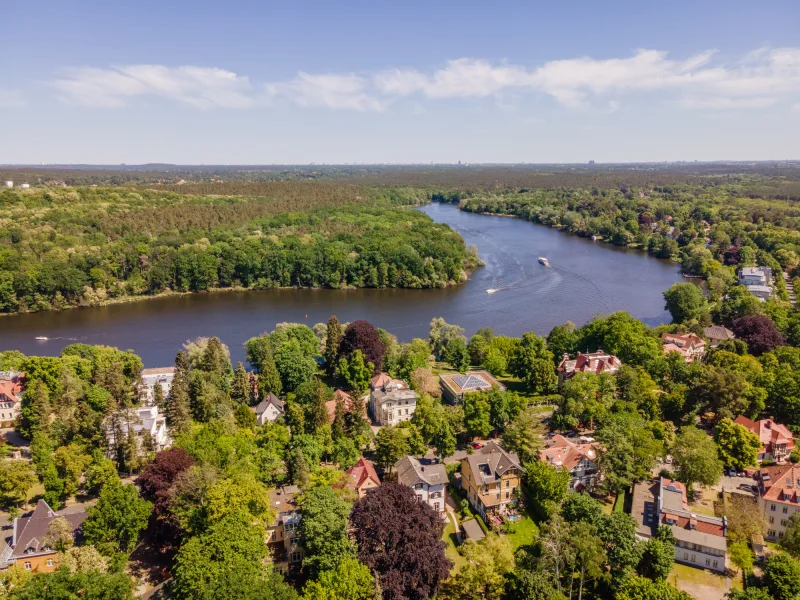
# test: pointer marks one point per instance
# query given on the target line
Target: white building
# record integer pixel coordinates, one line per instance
(757, 280)
(427, 480)
(25, 185)
(9, 184)
(145, 421)
(269, 409)
(391, 401)
(162, 376)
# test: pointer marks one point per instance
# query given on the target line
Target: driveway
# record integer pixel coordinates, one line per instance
(736, 485)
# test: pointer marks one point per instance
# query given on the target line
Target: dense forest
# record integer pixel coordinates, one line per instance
(64, 247)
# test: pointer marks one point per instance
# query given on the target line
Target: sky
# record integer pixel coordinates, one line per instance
(404, 82)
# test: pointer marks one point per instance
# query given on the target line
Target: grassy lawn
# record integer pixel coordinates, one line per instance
(690, 575)
(451, 549)
(524, 533)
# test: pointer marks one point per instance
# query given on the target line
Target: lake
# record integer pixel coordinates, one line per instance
(586, 278)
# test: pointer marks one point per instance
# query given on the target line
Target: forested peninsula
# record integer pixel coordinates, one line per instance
(63, 247)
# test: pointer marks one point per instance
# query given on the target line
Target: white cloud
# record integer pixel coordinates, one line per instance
(201, 87)
(335, 91)
(11, 99)
(758, 80)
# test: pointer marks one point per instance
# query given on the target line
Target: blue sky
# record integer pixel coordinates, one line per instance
(266, 82)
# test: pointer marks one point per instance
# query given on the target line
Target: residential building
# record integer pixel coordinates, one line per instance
(347, 400)
(491, 479)
(579, 457)
(9, 184)
(428, 480)
(778, 497)
(717, 334)
(777, 441)
(147, 424)
(758, 281)
(25, 186)
(162, 376)
(362, 477)
(12, 384)
(592, 362)
(27, 546)
(689, 345)
(270, 409)
(455, 385)
(700, 539)
(392, 402)
(283, 534)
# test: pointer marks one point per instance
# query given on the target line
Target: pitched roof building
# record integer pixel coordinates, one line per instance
(491, 478)
(455, 385)
(777, 441)
(362, 477)
(12, 384)
(578, 458)
(392, 402)
(162, 376)
(700, 539)
(429, 481)
(779, 496)
(27, 546)
(283, 537)
(592, 362)
(689, 345)
(270, 409)
(717, 334)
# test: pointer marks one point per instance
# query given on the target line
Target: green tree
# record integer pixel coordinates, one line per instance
(350, 580)
(742, 556)
(114, 523)
(658, 555)
(16, 478)
(544, 487)
(524, 434)
(488, 562)
(477, 414)
(59, 535)
(738, 446)
(227, 561)
(70, 462)
(86, 586)
(333, 338)
(685, 301)
(240, 389)
(495, 361)
(456, 354)
(323, 531)
(629, 451)
(441, 334)
(782, 577)
(294, 366)
(641, 588)
(356, 372)
(790, 541)
(391, 444)
(533, 363)
(697, 457)
(178, 412)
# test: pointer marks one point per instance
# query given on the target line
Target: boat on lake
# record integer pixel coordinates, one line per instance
(492, 290)
(42, 338)
(544, 261)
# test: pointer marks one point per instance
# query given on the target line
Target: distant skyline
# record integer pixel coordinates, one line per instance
(363, 82)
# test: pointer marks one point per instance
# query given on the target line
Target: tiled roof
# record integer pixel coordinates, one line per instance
(361, 472)
(270, 399)
(379, 380)
(768, 431)
(496, 460)
(410, 471)
(593, 362)
(779, 480)
(30, 533)
(718, 332)
(562, 452)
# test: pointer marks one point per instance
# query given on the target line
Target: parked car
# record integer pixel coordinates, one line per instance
(477, 445)
(730, 472)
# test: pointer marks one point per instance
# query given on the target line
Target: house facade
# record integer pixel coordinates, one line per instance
(27, 545)
(362, 477)
(777, 442)
(592, 362)
(578, 457)
(147, 424)
(491, 479)
(778, 497)
(455, 385)
(757, 280)
(717, 334)
(393, 402)
(283, 534)
(12, 384)
(429, 481)
(270, 409)
(162, 376)
(700, 540)
(689, 345)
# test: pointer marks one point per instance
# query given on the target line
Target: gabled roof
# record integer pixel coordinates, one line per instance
(718, 332)
(683, 340)
(270, 399)
(780, 483)
(592, 362)
(361, 472)
(411, 471)
(379, 380)
(30, 533)
(12, 384)
(562, 452)
(768, 431)
(491, 462)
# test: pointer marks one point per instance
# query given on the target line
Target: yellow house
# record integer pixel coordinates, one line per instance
(286, 553)
(491, 478)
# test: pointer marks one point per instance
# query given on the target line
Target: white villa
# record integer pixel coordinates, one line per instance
(427, 480)
(150, 377)
(391, 401)
(144, 421)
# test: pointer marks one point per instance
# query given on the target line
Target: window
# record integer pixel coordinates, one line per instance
(708, 562)
(50, 562)
(293, 540)
(772, 508)
(417, 486)
(436, 506)
(694, 558)
(508, 495)
(508, 482)
(785, 509)
(715, 563)
(784, 522)
(771, 520)
(295, 557)
(27, 565)
(771, 533)
(685, 556)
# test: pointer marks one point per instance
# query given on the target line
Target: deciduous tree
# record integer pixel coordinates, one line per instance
(697, 457)
(738, 446)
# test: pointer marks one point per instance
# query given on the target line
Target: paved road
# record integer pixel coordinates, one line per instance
(732, 484)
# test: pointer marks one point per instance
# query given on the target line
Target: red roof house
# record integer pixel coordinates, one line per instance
(776, 440)
(362, 477)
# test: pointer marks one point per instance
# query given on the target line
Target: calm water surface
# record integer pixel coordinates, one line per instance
(586, 278)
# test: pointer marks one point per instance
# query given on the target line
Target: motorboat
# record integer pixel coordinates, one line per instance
(42, 338)
(492, 290)
(544, 261)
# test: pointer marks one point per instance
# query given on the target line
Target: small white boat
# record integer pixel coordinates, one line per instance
(544, 261)
(42, 338)
(492, 291)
